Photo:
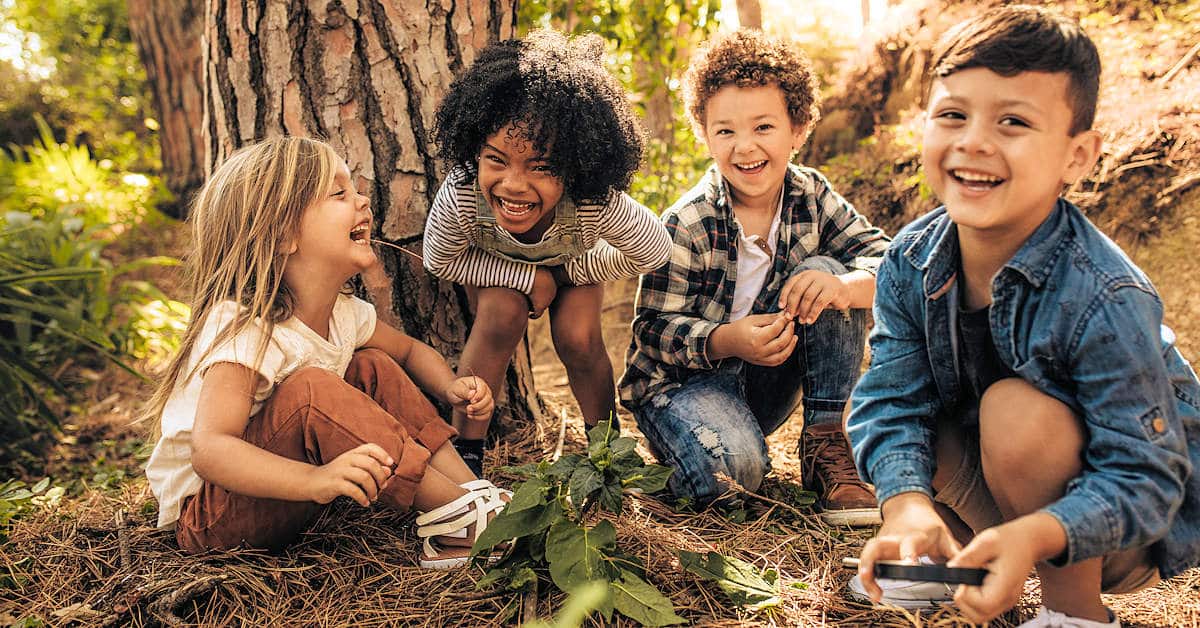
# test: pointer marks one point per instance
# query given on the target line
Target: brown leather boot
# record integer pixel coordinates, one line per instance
(843, 499)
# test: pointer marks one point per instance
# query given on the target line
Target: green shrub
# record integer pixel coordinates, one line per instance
(60, 296)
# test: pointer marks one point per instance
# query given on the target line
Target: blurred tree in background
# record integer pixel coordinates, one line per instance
(82, 73)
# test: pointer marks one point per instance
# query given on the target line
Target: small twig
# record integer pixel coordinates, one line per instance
(123, 539)
(164, 607)
(562, 435)
(1181, 64)
(529, 604)
(399, 248)
(475, 596)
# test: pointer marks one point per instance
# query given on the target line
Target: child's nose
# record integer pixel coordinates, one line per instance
(975, 138)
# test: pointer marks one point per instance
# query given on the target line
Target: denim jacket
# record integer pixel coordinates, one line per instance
(1073, 316)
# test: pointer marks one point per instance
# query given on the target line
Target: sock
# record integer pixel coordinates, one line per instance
(471, 451)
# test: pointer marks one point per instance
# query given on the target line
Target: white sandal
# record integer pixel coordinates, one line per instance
(452, 520)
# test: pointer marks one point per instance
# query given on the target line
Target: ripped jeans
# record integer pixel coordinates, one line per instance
(717, 421)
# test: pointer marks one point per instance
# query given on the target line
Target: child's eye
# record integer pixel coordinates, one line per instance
(764, 127)
(339, 193)
(950, 115)
(1013, 121)
(542, 168)
(723, 132)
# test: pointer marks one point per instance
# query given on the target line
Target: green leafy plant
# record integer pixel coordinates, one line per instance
(61, 297)
(546, 524)
(18, 498)
(742, 582)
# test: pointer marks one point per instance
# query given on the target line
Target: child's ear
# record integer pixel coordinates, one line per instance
(1082, 155)
(290, 247)
(800, 135)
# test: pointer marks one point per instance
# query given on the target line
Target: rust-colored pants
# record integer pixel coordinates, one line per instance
(315, 416)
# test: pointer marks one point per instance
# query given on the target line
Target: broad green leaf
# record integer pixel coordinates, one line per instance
(510, 525)
(741, 581)
(652, 478)
(610, 496)
(584, 481)
(641, 602)
(576, 554)
(565, 466)
(41, 486)
(528, 494)
(622, 446)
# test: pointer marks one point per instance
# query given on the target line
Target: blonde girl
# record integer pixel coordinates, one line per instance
(287, 392)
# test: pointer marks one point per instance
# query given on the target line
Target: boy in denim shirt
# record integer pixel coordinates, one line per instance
(765, 292)
(1022, 387)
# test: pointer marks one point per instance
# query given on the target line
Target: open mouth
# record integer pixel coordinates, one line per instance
(752, 167)
(973, 180)
(361, 233)
(515, 209)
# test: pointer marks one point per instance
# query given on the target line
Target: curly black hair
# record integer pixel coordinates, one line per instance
(748, 58)
(556, 92)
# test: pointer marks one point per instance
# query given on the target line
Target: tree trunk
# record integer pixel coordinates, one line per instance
(366, 76)
(167, 34)
(749, 14)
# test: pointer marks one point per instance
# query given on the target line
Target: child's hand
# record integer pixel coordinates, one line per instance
(545, 288)
(811, 292)
(1009, 556)
(764, 339)
(911, 528)
(473, 393)
(358, 474)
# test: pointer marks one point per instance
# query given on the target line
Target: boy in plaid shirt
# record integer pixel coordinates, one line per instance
(765, 293)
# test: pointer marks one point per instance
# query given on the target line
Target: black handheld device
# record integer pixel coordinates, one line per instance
(896, 570)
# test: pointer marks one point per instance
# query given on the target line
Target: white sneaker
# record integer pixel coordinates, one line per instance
(1047, 618)
(907, 594)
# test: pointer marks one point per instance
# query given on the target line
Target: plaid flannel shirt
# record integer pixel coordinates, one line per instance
(681, 303)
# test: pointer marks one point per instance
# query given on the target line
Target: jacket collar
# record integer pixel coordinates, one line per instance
(934, 250)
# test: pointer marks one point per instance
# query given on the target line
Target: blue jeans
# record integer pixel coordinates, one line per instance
(717, 421)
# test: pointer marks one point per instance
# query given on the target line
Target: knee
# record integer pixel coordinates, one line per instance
(720, 457)
(501, 316)
(1016, 420)
(579, 345)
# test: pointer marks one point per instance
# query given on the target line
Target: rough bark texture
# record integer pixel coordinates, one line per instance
(167, 34)
(366, 76)
(749, 14)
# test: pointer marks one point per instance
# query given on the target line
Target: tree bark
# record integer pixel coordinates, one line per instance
(167, 34)
(749, 14)
(366, 76)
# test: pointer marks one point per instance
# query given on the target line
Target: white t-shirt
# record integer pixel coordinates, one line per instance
(293, 345)
(755, 257)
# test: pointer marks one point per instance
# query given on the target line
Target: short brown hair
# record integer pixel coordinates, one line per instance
(747, 58)
(1023, 38)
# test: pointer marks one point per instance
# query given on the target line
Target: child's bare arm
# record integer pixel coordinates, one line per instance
(429, 370)
(220, 456)
(1009, 551)
(808, 293)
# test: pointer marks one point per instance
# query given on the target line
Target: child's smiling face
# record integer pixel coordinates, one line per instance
(335, 233)
(751, 136)
(997, 149)
(517, 181)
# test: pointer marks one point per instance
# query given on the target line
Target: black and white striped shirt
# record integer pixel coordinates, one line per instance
(622, 238)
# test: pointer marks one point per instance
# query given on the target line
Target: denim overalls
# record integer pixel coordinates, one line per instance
(562, 245)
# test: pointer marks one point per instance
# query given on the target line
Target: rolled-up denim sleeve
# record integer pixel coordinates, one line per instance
(1136, 460)
(894, 402)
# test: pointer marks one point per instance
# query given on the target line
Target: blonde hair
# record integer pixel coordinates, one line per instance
(243, 220)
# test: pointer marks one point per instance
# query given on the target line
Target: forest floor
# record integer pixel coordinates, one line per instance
(95, 558)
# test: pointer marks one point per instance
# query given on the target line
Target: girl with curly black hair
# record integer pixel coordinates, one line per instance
(541, 143)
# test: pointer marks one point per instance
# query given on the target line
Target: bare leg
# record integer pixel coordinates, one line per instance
(1017, 424)
(575, 328)
(949, 448)
(501, 316)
